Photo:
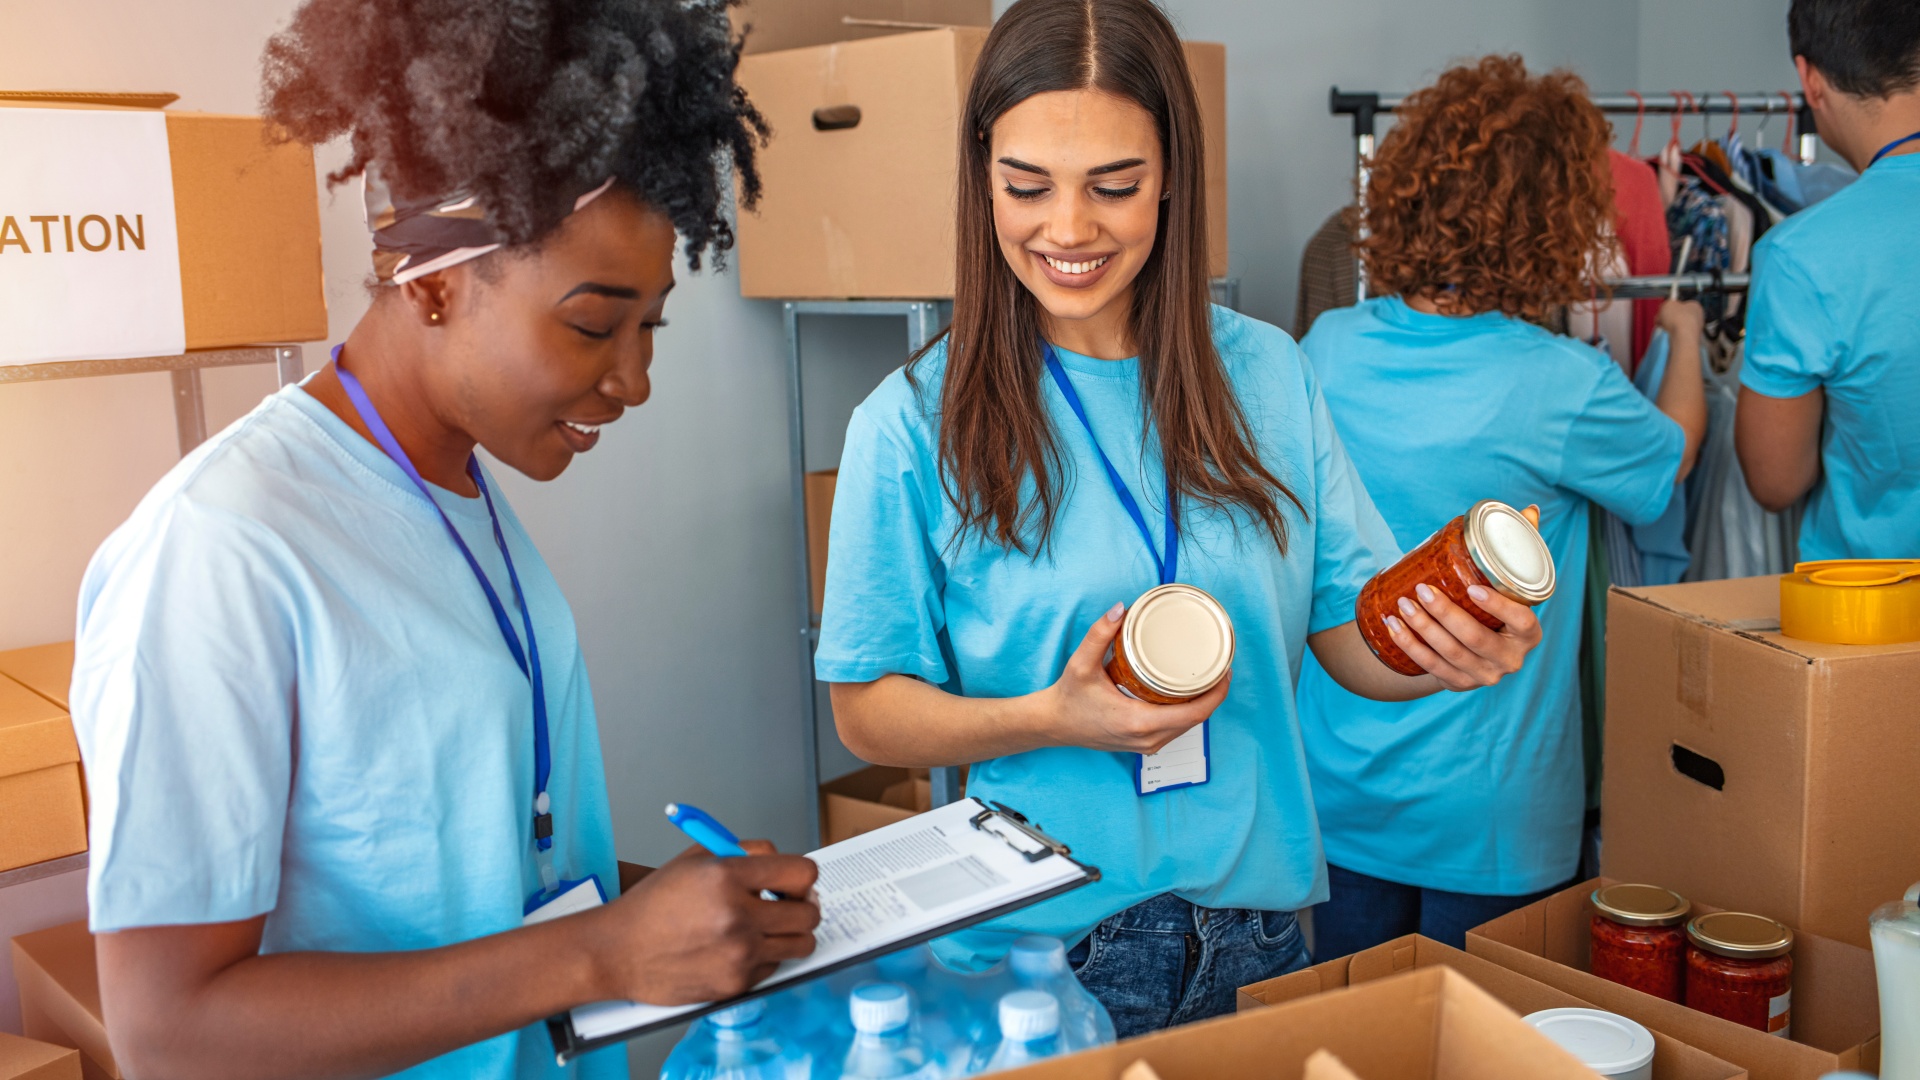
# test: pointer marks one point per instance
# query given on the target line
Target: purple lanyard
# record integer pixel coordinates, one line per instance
(529, 660)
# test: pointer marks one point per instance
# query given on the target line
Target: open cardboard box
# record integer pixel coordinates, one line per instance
(31, 1059)
(60, 995)
(1836, 1010)
(1431, 1024)
(1672, 1059)
(42, 796)
(872, 798)
(1753, 770)
(796, 24)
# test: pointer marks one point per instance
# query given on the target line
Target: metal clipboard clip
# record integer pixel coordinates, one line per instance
(1019, 834)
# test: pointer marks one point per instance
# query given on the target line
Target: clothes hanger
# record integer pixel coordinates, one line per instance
(1639, 118)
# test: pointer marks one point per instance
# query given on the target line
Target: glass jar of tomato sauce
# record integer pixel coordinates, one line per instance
(1740, 968)
(1175, 645)
(1491, 545)
(1639, 938)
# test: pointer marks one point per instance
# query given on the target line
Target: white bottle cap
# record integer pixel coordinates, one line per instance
(1607, 1043)
(878, 1008)
(1026, 1015)
(1036, 956)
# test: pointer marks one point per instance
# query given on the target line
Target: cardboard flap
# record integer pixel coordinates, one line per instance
(46, 670)
(1749, 607)
(59, 983)
(31, 1059)
(104, 99)
(34, 732)
(1324, 1066)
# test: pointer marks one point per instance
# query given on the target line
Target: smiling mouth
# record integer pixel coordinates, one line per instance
(589, 430)
(1087, 266)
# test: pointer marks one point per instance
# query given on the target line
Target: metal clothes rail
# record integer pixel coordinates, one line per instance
(1366, 106)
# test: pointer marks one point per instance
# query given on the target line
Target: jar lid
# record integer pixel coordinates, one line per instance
(1740, 936)
(1508, 549)
(1605, 1042)
(1641, 905)
(1178, 639)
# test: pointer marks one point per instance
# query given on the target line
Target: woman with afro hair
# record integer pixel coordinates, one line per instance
(338, 734)
(1489, 208)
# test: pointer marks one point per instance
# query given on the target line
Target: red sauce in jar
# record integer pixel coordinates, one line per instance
(1491, 545)
(1739, 968)
(1638, 939)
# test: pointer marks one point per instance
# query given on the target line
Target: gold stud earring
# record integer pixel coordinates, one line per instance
(433, 316)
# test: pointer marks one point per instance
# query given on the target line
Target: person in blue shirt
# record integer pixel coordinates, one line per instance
(1830, 388)
(339, 739)
(1487, 203)
(983, 554)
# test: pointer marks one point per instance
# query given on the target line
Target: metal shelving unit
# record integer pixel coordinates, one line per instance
(189, 405)
(20, 875)
(924, 319)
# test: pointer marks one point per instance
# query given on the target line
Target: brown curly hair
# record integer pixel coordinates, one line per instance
(1492, 192)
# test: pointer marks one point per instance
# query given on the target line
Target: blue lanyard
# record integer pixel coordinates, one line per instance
(1891, 147)
(529, 660)
(1170, 567)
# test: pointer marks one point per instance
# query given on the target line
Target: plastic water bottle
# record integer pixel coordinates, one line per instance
(885, 1046)
(734, 1044)
(1029, 1030)
(942, 1015)
(1040, 963)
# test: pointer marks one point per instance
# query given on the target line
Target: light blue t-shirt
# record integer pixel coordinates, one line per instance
(1834, 306)
(906, 596)
(1484, 791)
(293, 700)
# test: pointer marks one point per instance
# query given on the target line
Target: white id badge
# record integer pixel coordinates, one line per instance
(1180, 763)
(566, 898)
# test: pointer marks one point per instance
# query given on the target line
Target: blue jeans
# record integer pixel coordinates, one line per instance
(1363, 911)
(1164, 961)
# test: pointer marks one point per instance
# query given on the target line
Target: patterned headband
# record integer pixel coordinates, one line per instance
(412, 237)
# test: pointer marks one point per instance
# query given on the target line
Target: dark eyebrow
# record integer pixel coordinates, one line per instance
(1097, 170)
(594, 288)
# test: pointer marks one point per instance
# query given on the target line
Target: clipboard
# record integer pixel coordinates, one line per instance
(991, 849)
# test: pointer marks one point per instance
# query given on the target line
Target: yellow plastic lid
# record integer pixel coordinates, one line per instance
(1852, 601)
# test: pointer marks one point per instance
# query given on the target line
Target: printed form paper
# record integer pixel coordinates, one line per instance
(1179, 763)
(884, 887)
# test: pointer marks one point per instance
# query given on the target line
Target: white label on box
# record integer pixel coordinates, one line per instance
(89, 253)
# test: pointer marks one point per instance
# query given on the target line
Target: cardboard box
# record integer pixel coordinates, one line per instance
(30, 1059)
(1756, 771)
(60, 995)
(796, 24)
(46, 670)
(1672, 1059)
(819, 505)
(1421, 1025)
(247, 217)
(42, 798)
(872, 798)
(1836, 1012)
(867, 210)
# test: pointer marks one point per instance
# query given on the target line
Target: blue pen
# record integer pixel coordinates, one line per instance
(707, 831)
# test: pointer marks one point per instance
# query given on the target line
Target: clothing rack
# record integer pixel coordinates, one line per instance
(1365, 108)
(1661, 286)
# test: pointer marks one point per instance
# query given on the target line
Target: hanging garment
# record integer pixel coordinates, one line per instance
(1326, 272)
(1642, 224)
(1729, 535)
(1659, 547)
(1793, 186)
(1697, 212)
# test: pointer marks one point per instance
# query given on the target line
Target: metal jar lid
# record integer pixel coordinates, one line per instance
(1509, 551)
(1740, 936)
(1641, 905)
(1179, 640)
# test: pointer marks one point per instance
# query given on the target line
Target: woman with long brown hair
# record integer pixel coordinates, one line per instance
(1488, 203)
(1090, 427)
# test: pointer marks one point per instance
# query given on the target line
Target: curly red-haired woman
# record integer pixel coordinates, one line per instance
(1489, 208)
